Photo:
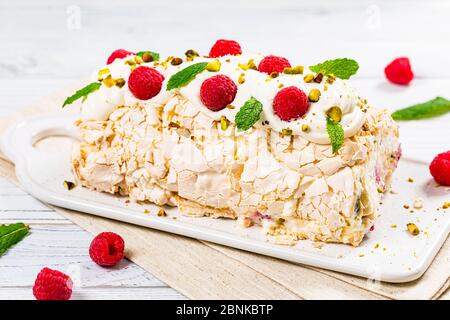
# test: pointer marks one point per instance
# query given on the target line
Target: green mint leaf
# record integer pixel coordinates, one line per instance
(154, 54)
(183, 77)
(340, 68)
(82, 93)
(249, 114)
(336, 134)
(429, 109)
(10, 234)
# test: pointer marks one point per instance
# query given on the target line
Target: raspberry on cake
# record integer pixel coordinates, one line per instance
(290, 103)
(118, 54)
(258, 150)
(273, 64)
(145, 83)
(224, 47)
(217, 92)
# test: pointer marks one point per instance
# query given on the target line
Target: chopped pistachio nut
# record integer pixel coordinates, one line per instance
(108, 81)
(224, 123)
(325, 88)
(286, 132)
(102, 72)
(410, 179)
(413, 229)
(305, 128)
(213, 66)
(274, 75)
(191, 54)
(380, 190)
(162, 213)
(130, 62)
(176, 61)
(147, 57)
(146, 211)
(69, 185)
(249, 65)
(314, 95)
(335, 113)
(120, 82)
(446, 205)
(241, 78)
(393, 226)
(308, 78)
(294, 70)
(138, 59)
(330, 79)
(318, 78)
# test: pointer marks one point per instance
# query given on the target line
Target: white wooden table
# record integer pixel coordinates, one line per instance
(47, 44)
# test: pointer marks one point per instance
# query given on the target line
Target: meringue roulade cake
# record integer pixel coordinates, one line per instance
(251, 137)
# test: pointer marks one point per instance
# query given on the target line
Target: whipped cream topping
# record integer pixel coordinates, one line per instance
(261, 86)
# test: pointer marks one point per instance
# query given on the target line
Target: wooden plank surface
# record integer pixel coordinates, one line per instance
(48, 44)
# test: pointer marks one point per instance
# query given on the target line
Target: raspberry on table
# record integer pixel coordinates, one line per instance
(217, 92)
(224, 47)
(271, 64)
(290, 103)
(52, 285)
(107, 249)
(118, 54)
(399, 71)
(145, 82)
(440, 168)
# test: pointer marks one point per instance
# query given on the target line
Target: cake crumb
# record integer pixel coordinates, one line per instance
(361, 255)
(162, 213)
(446, 205)
(245, 222)
(406, 206)
(410, 179)
(393, 226)
(146, 211)
(376, 246)
(317, 245)
(418, 203)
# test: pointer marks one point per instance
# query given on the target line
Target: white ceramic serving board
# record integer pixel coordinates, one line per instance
(388, 253)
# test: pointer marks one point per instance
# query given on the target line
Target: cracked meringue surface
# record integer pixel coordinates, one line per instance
(170, 153)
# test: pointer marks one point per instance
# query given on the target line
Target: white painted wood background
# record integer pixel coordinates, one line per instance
(48, 44)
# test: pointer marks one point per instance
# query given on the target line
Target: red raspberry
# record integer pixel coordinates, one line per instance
(52, 285)
(399, 71)
(145, 83)
(290, 103)
(440, 168)
(271, 64)
(223, 47)
(217, 92)
(118, 54)
(107, 249)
